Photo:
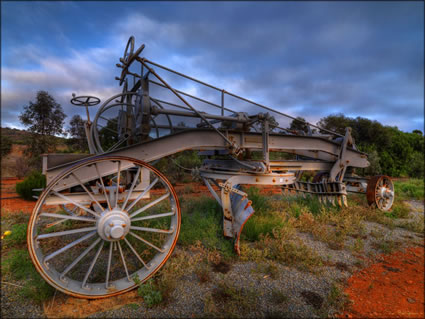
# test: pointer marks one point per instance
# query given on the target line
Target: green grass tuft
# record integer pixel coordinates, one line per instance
(410, 189)
(202, 220)
(18, 265)
(18, 235)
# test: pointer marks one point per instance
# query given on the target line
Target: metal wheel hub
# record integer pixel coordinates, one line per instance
(113, 225)
(385, 192)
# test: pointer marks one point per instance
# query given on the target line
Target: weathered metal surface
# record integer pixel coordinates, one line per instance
(151, 119)
(380, 192)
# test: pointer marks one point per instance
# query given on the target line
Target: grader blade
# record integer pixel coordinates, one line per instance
(242, 211)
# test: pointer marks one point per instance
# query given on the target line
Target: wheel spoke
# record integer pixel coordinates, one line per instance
(66, 217)
(118, 143)
(153, 203)
(70, 212)
(59, 251)
(123, 260)
(146, 242)
(87, 191)
(118, 183)
(141, 195)
(153, 216)
(88, 210)
(66, 232)
(135, 252)
(92, 264)
(130, 191)
(108, 269)
(109, 120)
(107, 128)
(75, 257)
(153, 230)
(85, 252)
(379, 202)
(103, 185)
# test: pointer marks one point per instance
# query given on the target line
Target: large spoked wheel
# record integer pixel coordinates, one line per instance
(380, 192)
(119, 122)
(121, 225)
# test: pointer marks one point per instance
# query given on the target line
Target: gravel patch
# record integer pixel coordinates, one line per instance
(15, 306)
(416, 205)
(281, 292)
(330, 255)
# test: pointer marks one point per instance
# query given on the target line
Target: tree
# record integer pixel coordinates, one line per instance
(6, 145)
(391, 151)
(297, 125)
(44, 119)
(78, 134)
(335, 122)
(417, 132)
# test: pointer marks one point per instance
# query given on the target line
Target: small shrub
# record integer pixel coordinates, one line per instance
(25, 188)
(203, 273)
(22, 167)
(358, 245)
(335, 299)
(385, 246)
(282, 246)
(151, 294)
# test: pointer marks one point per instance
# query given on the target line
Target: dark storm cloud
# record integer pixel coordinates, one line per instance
(308, 59)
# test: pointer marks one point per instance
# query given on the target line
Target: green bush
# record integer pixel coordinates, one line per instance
(25, 188)
(151, 294)
(6, 145)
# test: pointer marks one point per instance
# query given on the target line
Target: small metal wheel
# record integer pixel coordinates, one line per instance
(380, 192)
(124, 229)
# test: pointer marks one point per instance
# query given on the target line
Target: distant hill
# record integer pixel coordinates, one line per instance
(20, 136)
(19, 140)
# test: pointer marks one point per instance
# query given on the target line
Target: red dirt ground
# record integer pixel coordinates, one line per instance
(391, 288)
(10, 201)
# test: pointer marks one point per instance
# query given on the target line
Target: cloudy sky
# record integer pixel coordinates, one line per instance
(305, 59)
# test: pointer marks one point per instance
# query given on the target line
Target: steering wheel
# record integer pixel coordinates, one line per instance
(128, 58)
(85, 100)
(127, 55)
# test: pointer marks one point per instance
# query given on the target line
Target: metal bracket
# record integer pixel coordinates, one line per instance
(338, 169)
